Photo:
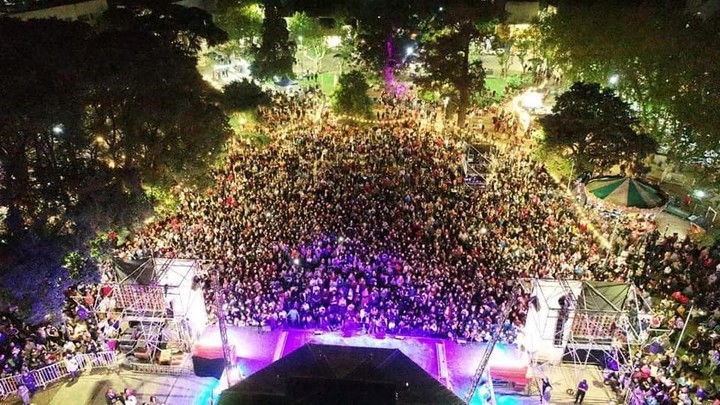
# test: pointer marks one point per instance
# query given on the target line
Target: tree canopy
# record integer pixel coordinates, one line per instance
(309, 36)
(384, 28)
(183, 27)
(275, 56)
(89, 120)
(659, 57)
(597, 126)
(351, 96)
(446, 45)
(243, 22)
(243, 95)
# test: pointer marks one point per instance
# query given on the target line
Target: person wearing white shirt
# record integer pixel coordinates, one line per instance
(72, 366)
(130, 398)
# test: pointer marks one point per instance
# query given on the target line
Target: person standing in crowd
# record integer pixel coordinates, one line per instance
(153, 401)
(29, 380)
(545, 391)
(24, 394)
(581, 390)
(112, 397)
(129, 396)
(72, 366)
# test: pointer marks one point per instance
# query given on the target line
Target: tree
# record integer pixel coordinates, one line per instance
(89, 120)
(275, 56)
(525, 43)
(352, 97)
(309, 36)
(446, 45)
(34, 275)
(504, 48)
(242, 20)
(662, 58)
(597, 126)
(383, 29)
(43, 158)
(346, 53)
(156, 116)
(244, 95)
(183, 27)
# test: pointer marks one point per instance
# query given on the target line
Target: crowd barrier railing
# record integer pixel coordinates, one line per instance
(49, 374)
(148, 368)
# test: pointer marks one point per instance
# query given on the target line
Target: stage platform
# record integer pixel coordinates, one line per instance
(451, 363)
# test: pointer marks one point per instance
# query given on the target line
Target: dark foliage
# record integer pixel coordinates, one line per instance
(244, 95)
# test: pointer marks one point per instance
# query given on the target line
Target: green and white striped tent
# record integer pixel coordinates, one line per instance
(625, 192)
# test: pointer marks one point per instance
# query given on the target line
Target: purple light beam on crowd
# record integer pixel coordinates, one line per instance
(390, 83)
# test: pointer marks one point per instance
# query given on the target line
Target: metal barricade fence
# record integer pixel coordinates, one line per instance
(9, 385)
(49, 374)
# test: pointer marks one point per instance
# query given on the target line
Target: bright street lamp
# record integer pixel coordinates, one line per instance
(614, 79)
(409, 51)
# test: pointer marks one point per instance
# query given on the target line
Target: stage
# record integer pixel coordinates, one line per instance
(451, 363)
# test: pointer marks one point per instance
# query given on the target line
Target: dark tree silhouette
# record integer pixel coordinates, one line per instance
(275, 56)
(352, 97)
(597, 126)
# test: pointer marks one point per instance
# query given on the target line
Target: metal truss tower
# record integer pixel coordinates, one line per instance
(222, 325)
(490, 346)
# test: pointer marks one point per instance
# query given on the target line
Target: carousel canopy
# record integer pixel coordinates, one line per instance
(626, 192)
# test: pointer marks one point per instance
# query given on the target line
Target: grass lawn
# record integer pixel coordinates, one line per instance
(496, 84)
(325, 80)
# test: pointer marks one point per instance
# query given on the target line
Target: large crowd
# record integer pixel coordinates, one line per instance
(371, 228)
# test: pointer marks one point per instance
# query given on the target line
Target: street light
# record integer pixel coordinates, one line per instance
(699, 194)
(614, 79)
(58, 129)
(446, 101)
(409, 51)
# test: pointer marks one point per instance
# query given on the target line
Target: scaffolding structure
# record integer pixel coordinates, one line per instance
(160, 310)
(477, 161)
(585, 324)
(228, 355)
(490, 346)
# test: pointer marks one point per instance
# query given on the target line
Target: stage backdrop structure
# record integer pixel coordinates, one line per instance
(585, 323)
(162, 311)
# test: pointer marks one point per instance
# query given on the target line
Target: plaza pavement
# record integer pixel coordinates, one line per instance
(90, 389)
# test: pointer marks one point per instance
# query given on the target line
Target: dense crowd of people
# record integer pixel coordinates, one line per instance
(684, 279)
(26, 347)
(370, 227)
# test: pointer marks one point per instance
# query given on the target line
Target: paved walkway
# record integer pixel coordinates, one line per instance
(90, 389)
